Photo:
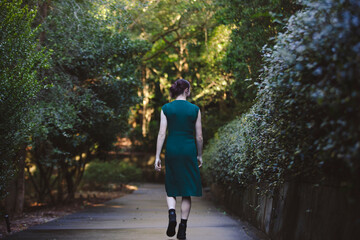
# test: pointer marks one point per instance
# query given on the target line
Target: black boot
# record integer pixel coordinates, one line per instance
(182, 229)
(172, 223)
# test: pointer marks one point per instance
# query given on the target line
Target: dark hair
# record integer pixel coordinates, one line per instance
(178, 87)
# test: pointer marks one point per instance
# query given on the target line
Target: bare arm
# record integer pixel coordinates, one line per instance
(160, 140)
(199, 138)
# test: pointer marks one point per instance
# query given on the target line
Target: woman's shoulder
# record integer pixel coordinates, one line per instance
(164, 106)
(194, 106)
(169, 104)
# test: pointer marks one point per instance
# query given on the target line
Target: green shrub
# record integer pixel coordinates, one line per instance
(100, 174)
(21, 60)
(93, 81)
(305, 119)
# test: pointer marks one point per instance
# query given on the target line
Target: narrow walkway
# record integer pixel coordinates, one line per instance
(141, 216)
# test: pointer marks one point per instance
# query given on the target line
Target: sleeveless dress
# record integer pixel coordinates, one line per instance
(182, 175)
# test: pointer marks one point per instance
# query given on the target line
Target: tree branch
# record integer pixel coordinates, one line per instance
(164, 34)
(168, 46)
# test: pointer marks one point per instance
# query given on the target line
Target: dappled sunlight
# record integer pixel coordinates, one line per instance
(151, 160)
(37, 204)
(131, 187)
(105, 205)
(116, 206)
(97, 204)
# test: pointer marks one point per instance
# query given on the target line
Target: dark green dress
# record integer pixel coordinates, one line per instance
(182, 176)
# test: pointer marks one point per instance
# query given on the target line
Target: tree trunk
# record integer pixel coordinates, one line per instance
(59, 186)
(20, 181)
(67, 175)
(222, 105)
(69, 183)
(43, 13)
(203, 115)
(146, 111)
(14, 202)
(11, 197)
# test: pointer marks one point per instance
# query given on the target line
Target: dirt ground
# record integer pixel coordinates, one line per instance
(39, 214)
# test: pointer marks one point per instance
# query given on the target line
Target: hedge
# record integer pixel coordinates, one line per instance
(304, 122)
(99, 174)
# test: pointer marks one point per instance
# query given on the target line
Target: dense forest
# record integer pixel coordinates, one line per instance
(277, 83)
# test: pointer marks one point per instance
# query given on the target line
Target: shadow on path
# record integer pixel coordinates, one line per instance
(141, 215)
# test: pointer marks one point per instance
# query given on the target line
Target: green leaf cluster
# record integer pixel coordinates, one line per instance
(254, 24)
(91, 84)
(216, 45)
(304, 123)
(112, 172)
(21, 60)
(187, 42)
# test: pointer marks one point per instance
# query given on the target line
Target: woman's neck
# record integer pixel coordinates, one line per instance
(180, 98)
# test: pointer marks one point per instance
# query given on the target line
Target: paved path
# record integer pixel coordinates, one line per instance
(141, 216)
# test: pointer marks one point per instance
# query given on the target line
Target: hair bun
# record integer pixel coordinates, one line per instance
(178, 87)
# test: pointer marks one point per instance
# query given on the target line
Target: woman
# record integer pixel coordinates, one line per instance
(183, 157)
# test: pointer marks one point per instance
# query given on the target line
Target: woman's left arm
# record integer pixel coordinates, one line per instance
(160, 140)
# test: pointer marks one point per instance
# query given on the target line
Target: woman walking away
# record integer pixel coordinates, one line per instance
(183, 157)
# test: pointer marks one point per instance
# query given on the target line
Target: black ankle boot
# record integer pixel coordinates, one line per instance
(182, 229)
(172, 223)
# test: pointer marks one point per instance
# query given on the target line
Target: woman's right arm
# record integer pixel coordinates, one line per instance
(160, 140)
(199, 138)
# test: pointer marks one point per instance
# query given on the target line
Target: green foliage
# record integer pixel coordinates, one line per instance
(187, 42)
(253, 23)
(305, 119)
(216, 45)
(21, 59)
(93, 82)
(98, 174)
